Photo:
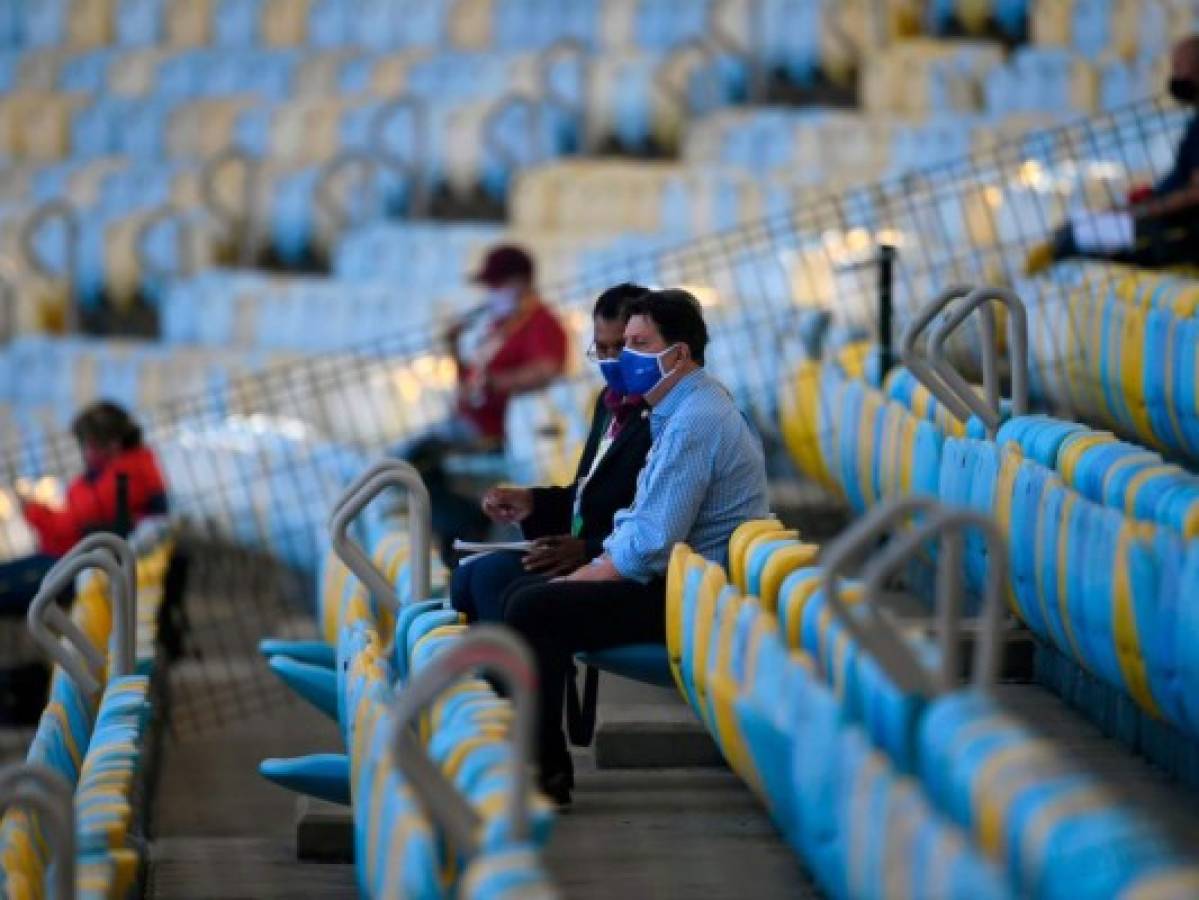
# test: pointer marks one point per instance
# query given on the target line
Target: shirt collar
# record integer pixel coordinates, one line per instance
(673, 400)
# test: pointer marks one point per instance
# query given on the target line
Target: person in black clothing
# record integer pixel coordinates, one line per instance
(1161, 228)
(568, 524)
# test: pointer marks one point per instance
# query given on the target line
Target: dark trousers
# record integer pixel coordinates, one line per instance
(478, 586)
(23, 685)
(559, 619)
(19, 582)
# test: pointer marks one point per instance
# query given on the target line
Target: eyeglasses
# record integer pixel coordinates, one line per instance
(610, 352)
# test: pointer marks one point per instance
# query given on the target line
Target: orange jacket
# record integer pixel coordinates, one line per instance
(92, 501)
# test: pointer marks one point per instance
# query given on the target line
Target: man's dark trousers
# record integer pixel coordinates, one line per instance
(561, 618)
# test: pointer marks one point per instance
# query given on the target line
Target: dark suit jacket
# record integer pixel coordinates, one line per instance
(611, 488)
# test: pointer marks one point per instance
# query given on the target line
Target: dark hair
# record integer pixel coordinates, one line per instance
(611, 303)
(678, 316)
(104, 423)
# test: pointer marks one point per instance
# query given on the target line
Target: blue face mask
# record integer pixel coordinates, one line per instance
(642, 372)
(610, 369)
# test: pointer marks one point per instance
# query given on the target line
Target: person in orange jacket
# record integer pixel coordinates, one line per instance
(110, 442)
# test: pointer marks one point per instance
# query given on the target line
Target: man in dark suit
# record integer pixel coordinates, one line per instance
(568, 525)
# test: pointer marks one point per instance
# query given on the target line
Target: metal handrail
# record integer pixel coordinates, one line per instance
(184, 241)
(48, 622)
(679, 95)
(500, 654)
(58, 208)
(46, 793)
(545, 83)
(876, 634)
(913, 355)
(247, 220)
(417, 167)
(365, 163)
(122, 551)
(9, 315)
(536, 110)
(990, 411)
(391, 473)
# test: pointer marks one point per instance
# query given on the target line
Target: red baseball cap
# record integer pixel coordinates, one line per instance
(503, 264)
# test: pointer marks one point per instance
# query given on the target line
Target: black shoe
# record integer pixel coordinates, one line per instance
(557, 786)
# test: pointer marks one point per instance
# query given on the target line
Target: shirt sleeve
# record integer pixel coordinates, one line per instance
(58, 530)
(548, 340)
(669, 495)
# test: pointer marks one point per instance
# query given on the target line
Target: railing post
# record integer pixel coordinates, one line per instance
(886, 309)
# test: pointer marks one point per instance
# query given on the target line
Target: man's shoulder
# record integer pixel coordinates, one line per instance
(708, 406)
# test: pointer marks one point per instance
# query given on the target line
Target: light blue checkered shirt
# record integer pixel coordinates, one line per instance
(704, 476)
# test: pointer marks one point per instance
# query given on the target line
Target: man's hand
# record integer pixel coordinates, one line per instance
(601, 569)
(508, 505)
(559, 555)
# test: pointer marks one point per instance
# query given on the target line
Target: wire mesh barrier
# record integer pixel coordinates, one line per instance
(234, 598)
(256, 461)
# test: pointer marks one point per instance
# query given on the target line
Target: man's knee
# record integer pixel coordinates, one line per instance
(528, 604)
(461, 595)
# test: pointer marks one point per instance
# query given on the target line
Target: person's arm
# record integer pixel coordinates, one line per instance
(551, 512)
(546, 359)
(669, 495)
(531, 376)
(57, 529)
(1186, 197)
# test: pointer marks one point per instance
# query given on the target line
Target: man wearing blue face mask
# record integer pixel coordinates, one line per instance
(704, 476)
(523, 349)
(568, 525)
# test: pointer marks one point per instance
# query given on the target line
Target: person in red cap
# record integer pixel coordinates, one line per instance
(524, 348)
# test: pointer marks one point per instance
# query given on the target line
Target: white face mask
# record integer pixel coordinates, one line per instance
(502, 302)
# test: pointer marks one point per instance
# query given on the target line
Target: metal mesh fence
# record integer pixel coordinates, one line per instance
(256, 463)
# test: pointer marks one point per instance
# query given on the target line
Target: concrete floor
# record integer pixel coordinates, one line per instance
(222, 831)
(665, 832)
(674, 833)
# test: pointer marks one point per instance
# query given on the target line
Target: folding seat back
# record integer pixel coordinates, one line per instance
(740, 544)
(692, 597)
(284, 23)
(38, 833)
(495, 821)
(772, 563)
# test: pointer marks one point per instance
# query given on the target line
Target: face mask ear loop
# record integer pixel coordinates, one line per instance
(673, 368)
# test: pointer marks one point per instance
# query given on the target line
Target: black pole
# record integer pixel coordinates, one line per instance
(886, 287)
(123, 523)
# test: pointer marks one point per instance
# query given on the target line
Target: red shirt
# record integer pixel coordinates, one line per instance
(535, 336)
(92, 501)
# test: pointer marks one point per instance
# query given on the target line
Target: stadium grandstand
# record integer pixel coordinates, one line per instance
(947, 253)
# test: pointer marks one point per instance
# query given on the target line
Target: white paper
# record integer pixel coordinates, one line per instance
(482, 547)
(1103, 232)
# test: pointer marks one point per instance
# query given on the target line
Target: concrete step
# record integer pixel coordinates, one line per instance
(670, 834)
(653, 736)
(193, 868)
(324, 831)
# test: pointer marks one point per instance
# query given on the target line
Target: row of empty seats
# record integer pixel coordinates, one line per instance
(881, 771)
(1102, 355)
(1061, 492)
(381, 636)
(798, 37)
(92, 740)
